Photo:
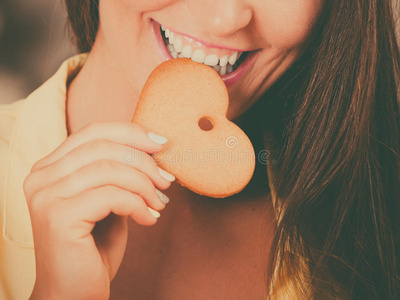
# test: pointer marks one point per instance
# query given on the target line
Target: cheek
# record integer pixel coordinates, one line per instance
(140, 6)
(122, 22)
(287, 23)
(122, 14)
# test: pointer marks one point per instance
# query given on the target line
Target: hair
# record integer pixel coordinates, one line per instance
(83, 17)
(337, 121)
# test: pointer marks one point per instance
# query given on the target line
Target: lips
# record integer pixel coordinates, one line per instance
(223, 61)
(231, 64)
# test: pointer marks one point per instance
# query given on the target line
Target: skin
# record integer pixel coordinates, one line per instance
(125, 52)
(100, 103)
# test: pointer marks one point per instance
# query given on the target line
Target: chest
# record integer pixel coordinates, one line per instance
(223, 256)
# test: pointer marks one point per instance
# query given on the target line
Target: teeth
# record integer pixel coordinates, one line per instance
(223, 61)
(187, 51)
(171, 37)
(217, 68)
(222, 71)
(233, 58)
(170, 48)
(178, 44)
(174, 54)
(172, 51)
(223, 65)
(198, 56)
(211, 60)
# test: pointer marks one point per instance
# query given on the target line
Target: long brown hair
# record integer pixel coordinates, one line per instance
(337, 181)
(83, 16)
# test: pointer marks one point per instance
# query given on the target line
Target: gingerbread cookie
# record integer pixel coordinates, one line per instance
(187, 103)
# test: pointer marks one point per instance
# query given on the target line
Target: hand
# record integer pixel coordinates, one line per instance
(86, 180)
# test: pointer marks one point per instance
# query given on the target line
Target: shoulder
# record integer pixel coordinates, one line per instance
(11, 109)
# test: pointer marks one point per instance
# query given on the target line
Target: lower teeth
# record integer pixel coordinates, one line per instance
(220, 70)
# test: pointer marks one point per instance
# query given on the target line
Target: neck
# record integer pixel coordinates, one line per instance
(99, 92)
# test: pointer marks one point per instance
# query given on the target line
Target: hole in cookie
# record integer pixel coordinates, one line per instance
(205, 124)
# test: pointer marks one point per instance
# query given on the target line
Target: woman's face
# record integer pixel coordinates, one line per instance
(268, 35)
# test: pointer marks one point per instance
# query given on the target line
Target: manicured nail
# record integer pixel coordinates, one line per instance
(166, 175)
(164, 198)
(154, 213)
(158, 139)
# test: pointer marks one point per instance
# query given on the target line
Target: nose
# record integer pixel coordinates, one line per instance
(221, 18)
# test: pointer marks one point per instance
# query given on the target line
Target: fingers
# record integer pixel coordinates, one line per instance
(100, 150)
(85, 180)
(103, 173)
(96, 204)
(73, 219)
(129, 134)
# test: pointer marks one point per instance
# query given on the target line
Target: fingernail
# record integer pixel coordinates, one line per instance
(167, 176)
(154, 213)
(158, 139)
(164, 198)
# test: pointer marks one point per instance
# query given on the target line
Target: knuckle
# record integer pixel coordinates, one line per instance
(114, 192)
(39, 196)
(136, 131)
(99, 145)
(92, 126)
(109, 190)
(35, 166)
(55, 215)
(135, 198)
(136, 126)
(39, 164)
(37, 201)
(132, 156)
(64, 165)
(27, 184)
(153, 164)
(136, 203)
(105, 165)
(144, 180)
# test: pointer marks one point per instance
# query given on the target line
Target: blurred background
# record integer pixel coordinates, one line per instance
(34, 42)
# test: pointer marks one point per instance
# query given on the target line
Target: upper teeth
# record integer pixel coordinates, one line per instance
(187, 51)
(223, 60)
(211, 60)
(223, 64)
(198, 56)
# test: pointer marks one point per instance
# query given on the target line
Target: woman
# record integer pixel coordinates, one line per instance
(316, 88)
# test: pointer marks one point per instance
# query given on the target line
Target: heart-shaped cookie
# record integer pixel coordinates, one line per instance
(186, 102)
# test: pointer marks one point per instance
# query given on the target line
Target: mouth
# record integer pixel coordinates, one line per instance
(231, 64)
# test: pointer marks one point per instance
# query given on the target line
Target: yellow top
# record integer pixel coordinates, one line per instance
(30, 129)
